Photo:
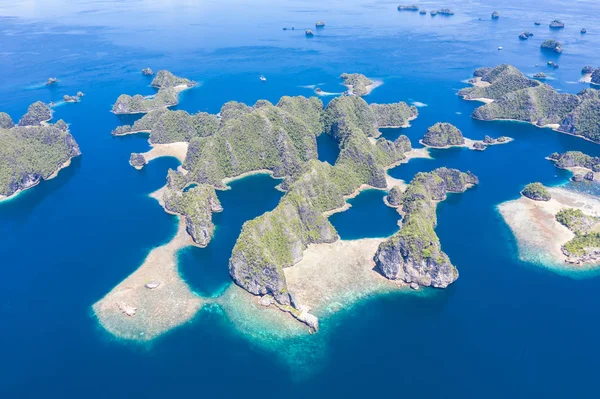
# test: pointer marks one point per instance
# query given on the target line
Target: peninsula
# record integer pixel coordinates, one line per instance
(510, 95)
(34, 150)
(169, 86)
(446, 135)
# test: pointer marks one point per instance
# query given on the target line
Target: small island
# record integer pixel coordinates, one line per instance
(446, 135)
(51, 81)
(412, 7)
(169, 86)
(553, 45)
(583, 31)
(147, 72)
(540, 76)
(495, 15)
(423, 12)
(358, 84)
(536, 192)
(525, 35)
(578, 163)
(34, 150)
(309, 33)
(320, 24)
(556, 24)
(510, 95)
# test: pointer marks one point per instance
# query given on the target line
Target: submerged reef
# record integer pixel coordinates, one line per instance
(414, 253)
(169, 87)
(516, 97)
(34, 150)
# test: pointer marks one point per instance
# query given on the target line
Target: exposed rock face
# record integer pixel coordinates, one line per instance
(479, 146)
(309, 33)
(502, 80)
(445, 11)
(51, 81)
(423, 12)
(147, 72)
(357, 83)
(589, 176)
(414, 255)
(394, 196)
(577, 177)
(583, 31)
(540, 75)
(80, 94)
(551, 44)
(556, 24)
(6, 121)
(32, 152)
(536, 191)
(197, 206)
(481, 72)
(596, 76)
(137, 160)
(70, 99)
(495, 15)
(320, 24)
(37, 113)
(525, 35)
(586, 70)
(442, 135)
(553, 64)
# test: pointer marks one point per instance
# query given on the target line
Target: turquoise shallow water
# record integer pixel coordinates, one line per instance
(504, 329)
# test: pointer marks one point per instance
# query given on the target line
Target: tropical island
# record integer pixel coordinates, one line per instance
(33, 150)
(358, 84)
(510, 95)
(578, 163)
(169, 86)
(220, 148)
(552, 45)
(446, 135)
(555, 227)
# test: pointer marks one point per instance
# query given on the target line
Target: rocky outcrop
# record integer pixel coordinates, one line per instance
(6, 121)
(540, 75)
(70, 99)
(445, 11)
(309, 33)
(414, 254)
(589, 176)
(553, 45)
(443, 135)
(51, 81)
(394, 196)
(423, 12)
(525, 35)
(37, 113)
(137, 160)
(196, 205)
(479, 146)
(147, 72)
(394, 115)
(495, 15)
(412, 7)
(583, 31)
(553, 64)
(586, 70)
(536, 191)
(320, 24)
(577, 177)
(556, 24)
(595, 78)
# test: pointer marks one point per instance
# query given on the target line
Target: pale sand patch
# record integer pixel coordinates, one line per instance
(535, 227)
(228, 180)
(157, 310)
(481, 99)
(392, 182)
(369, 88)
(132, 132)
(66, 164)
(477, 82)
(587, 78)
(177, 150)
(332, 276)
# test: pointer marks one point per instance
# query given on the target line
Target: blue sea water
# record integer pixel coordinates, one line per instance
(505, 329)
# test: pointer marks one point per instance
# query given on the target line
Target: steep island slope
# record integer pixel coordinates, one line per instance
(513, 96)
(33, 150)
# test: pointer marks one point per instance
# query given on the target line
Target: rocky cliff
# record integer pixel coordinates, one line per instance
(414, 253)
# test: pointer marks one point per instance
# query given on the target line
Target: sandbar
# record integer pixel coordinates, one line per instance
(133, 311)
(177, 150)
(539, 236)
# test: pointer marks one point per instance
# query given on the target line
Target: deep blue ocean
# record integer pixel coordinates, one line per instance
(505, 329)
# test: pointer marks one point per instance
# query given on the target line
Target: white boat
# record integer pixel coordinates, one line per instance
(500, 48)
(263, 78)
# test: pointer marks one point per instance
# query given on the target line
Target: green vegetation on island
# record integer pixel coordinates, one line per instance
(357, 83)
(196, 205)
(585, 247)
(519, 98)
(169, 87)
(394, 196)
(536, 191)
(31, 151)
(394, 115)
(574, 159)
(414, 253)
(442, 135)
(553, 45)
(278, 238)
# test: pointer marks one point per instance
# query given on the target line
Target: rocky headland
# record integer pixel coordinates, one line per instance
(34, 150)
